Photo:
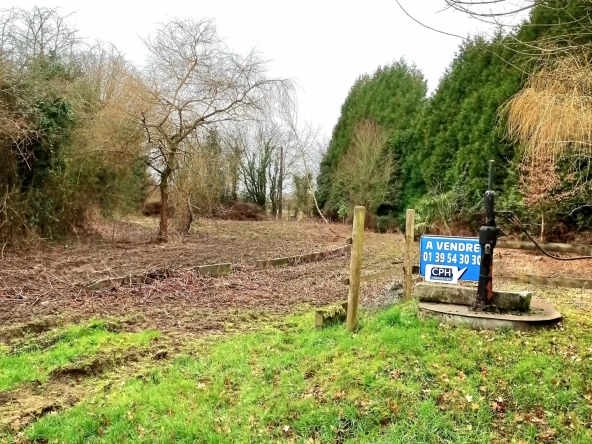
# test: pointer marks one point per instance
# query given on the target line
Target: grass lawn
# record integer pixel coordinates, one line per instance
(397, 380)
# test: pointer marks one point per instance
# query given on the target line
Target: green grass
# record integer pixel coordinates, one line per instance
(397, 380)
(36, 360)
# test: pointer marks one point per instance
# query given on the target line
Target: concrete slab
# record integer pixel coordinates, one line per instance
(461, 295)
(541, 314)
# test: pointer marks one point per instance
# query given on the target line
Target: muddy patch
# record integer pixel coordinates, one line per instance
(21, 331)
(97, 365)
(19, 408)
(72, 384)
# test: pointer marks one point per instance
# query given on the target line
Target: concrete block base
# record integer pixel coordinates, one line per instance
(467, 296)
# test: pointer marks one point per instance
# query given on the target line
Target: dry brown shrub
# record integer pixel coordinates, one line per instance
(153, 208)
(240, 211)
(552, 116)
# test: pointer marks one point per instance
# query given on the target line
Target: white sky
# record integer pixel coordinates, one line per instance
(323, 45)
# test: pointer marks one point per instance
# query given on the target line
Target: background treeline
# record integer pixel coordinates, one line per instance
(435, 148)
(52, 167)
(85, 132)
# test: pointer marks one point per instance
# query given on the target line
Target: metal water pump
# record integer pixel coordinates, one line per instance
(488, 235)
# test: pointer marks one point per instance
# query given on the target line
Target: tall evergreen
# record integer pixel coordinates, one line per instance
(391, 97)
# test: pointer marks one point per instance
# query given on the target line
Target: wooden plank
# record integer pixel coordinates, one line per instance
(355, 268)
(379, 275)
(212, 270)
(148, 278)
(119, 280)
(584, 250)
(278, 262)
(560, 282)
(409, 247)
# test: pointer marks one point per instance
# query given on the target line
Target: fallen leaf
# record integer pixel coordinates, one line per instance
(547, 435)
(392, 405)
(395, 374)
(498, 406)
(339, 395)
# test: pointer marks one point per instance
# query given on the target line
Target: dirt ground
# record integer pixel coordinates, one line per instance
(44, 287)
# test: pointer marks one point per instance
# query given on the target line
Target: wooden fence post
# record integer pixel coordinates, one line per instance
(409, 238)
(355, 268)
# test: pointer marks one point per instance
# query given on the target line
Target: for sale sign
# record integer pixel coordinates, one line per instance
(449, 259)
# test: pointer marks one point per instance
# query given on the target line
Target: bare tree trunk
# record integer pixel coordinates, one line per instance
(190, 216)
(234, 186)
(281, 185)
(163, 229)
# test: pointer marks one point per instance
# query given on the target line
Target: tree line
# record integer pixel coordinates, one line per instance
(84, 130)
(435, 148)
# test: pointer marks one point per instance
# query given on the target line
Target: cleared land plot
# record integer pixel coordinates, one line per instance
(46, 286)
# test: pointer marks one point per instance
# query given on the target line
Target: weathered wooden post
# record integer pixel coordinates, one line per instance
(408, 267)
(355, 268)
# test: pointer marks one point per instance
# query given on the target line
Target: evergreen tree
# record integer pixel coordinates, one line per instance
(391, 98)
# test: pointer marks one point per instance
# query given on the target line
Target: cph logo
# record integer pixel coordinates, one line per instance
(447, 274)
(441, 274)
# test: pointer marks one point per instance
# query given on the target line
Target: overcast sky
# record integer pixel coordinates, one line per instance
(323, 45)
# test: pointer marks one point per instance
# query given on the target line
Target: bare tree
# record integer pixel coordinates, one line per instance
(363, 175)
(307, 145)
(551, 116)
(206, 180)
(256, 167)
(488, 9)
(31, 35)
(195, 81)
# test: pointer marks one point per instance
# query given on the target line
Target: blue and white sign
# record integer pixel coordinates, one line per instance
(449, 259)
